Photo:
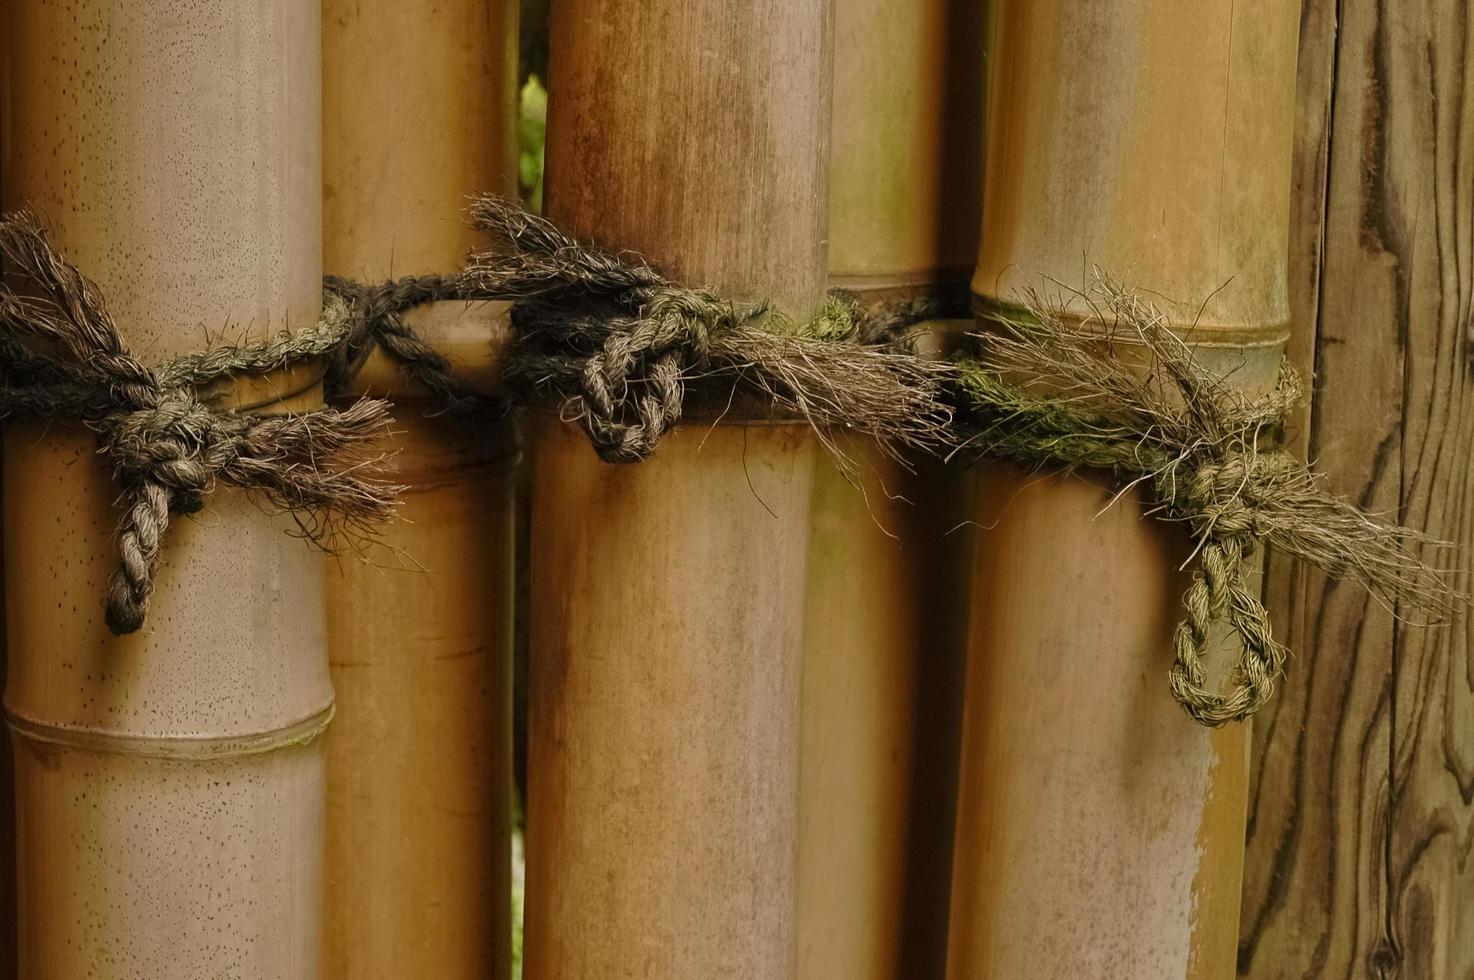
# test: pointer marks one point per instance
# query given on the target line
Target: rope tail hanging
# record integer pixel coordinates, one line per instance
(1208, 453)
(619, 347)
(167, 443)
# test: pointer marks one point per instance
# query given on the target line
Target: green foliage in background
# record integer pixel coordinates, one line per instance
(518, 891)
(532, 126)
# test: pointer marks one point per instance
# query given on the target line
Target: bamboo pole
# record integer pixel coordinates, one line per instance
(170, 782)
(890, 546)
(667, 597)
(419, 629)
(1100, 832)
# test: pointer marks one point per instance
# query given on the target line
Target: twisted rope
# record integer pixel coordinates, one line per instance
(604, 334)
(1039, 392)
(168, 445)
(620, 347)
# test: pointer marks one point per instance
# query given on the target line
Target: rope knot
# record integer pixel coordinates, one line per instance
(172, 443)
(167, 445)
(1045, 390)
(1226, 492)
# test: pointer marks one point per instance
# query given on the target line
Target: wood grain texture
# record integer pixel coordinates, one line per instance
(1358, 852)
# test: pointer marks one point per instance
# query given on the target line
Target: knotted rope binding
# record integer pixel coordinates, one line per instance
(167, 443)
(1040, 392)
(604, 334)
(618, 345)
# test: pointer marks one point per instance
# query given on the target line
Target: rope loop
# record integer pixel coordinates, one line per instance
(1210, 456)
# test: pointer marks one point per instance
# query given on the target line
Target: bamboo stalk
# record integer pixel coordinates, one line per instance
(419, 629)
(667, 597)
(889, 553)
(169, 783)
(1100, 832)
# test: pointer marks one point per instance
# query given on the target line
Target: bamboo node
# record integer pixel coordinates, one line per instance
(1127, 395)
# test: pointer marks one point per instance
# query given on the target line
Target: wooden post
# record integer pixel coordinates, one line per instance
(418, 116)
(9, 911)
(1100, 831)
(890, 548)
(170, 782)
(1358, 862)
(668, 596)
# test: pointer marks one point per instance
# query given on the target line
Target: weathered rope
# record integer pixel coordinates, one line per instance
(614, 342)
(1210, 455)
(167, 443)
(619, 346)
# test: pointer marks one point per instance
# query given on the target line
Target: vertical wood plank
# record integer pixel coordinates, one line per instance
(1317, 804)
(1415, 205)
(1359, 842)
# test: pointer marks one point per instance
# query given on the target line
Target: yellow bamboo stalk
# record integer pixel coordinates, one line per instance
(418, 115)
(667, 597)
(169, 783)
(1100, 832)
(890, 548)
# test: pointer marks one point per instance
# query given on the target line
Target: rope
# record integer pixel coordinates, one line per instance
(604, 334)
(167, 444)
(1039, 393)
(621, 349)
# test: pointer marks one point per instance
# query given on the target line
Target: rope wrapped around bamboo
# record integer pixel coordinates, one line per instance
(1133, 400)
(619, 346)
(167, 443)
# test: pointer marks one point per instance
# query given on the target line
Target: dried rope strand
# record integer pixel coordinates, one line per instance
(1042, 393)
(620, 348)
